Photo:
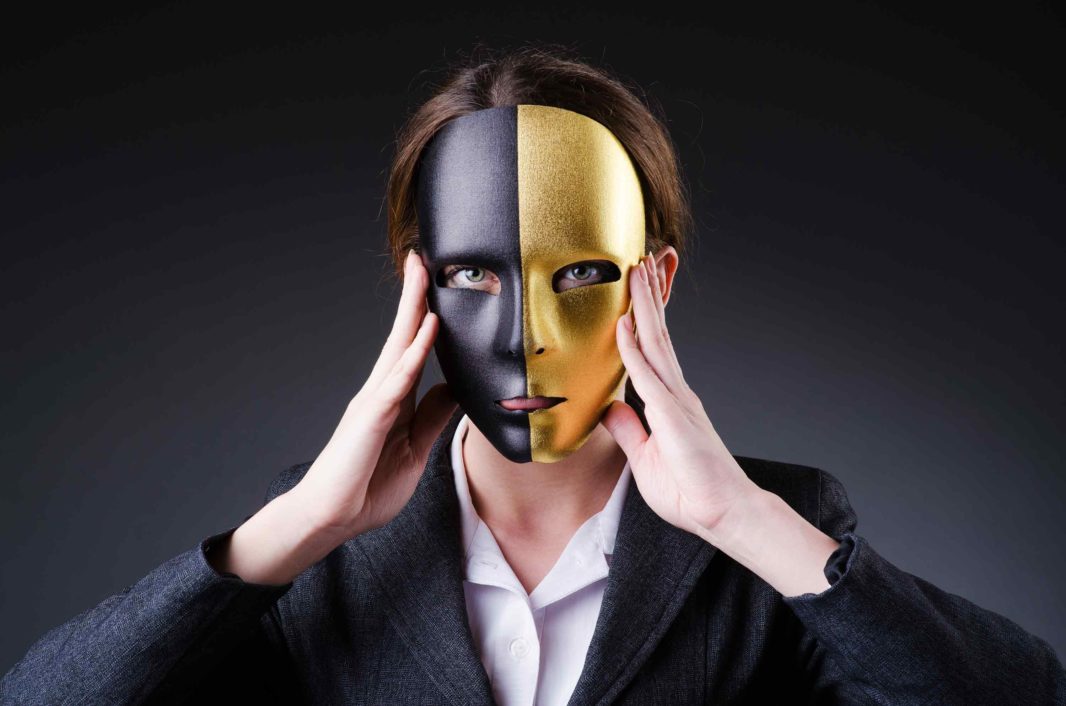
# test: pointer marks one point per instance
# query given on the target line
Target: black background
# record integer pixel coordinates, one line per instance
(195, 279)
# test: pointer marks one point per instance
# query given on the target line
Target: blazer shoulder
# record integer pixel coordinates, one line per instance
(815, 493)
(286, 480)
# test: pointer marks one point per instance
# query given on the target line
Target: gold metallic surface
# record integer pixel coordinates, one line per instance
(579, 198)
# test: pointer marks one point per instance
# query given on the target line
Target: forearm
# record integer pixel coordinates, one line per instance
(766, 535)
(276, 544)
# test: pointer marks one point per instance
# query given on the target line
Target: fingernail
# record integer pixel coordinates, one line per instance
(642, 272)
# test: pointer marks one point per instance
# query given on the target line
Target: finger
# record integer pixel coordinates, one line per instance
(434, 411)
(622, 422)
(649, 331)
(645, 380)
(401, 377)
(657, 297)
(409, 400)
(409, 316)
(663, 334)
(407, 404)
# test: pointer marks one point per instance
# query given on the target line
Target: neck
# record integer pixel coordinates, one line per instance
(534, 497)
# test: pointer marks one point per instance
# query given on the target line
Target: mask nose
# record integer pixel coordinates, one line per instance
(516, 344)
(512, 326)
(514, 351)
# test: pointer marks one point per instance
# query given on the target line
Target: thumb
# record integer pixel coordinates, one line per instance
(624, 425)
(430, 418)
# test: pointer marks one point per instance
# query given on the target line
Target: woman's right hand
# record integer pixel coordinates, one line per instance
(370, 466)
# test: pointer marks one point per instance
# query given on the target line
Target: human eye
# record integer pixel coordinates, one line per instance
(469, 277)
(583, 274)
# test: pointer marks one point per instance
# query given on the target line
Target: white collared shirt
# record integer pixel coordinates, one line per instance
(533, 645)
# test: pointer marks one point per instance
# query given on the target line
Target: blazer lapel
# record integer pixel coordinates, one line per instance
(416, 563)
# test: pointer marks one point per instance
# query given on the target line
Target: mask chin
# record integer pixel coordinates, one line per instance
(507, 431)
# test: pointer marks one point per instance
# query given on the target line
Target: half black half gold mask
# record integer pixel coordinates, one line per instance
(529, 218)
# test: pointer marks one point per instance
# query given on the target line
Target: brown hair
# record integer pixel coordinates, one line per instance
(544, 74)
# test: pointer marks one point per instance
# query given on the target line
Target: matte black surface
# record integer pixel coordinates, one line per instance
(468, 214)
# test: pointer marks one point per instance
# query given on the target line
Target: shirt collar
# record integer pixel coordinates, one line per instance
(607, 519)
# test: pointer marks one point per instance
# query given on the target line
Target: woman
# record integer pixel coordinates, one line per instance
(457, 550)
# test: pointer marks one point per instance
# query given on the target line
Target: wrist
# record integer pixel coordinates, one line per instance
(279, 542)
(766, 535)
(735, 523)
(322, 520)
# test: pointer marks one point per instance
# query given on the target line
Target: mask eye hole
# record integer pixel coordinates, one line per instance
(584, 274)
(468, 277)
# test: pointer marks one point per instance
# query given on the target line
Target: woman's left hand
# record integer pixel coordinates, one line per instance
(683, 470)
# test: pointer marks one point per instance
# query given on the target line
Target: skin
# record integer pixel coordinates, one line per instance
(372, 463)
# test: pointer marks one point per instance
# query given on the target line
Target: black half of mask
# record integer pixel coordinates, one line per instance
(467, 207)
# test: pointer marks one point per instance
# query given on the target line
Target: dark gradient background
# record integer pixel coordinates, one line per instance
(194, 266)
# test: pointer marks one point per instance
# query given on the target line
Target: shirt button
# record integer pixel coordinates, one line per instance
(519, 647)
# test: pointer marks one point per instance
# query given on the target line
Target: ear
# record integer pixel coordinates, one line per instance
(666, 261)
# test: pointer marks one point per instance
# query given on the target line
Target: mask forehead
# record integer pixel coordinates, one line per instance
(467, 193)
(579, 198)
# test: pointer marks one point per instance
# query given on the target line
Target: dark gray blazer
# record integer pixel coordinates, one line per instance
(382, 620)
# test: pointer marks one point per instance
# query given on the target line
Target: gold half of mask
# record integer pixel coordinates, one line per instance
(579, 198)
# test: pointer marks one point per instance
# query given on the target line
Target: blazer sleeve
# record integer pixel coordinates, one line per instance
(880, 635)
(184, 633)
